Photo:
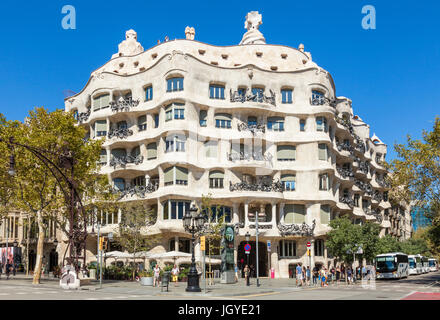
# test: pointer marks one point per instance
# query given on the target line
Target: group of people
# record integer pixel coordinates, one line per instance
(7, 268)
(156, 275)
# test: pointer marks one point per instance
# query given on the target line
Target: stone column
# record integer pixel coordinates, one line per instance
(176, 243)
(246, 211)
(274, 213)
(236, 218)
(282, 213)
(159, 210)
(312, 253)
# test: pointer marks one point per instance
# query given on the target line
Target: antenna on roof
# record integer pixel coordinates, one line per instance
(68, 93)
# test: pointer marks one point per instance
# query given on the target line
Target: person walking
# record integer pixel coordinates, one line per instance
(303, 276)
(338, 275)
(156, 275)
(298, 274)
(322, 273)
(308, 276)
(236, 273)
(8, 269)
(175, 273)
(247, 274)
(333, 274)
(315, 275)
(364, 272)
(349, 275)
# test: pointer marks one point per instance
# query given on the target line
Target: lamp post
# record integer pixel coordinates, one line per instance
(256, 245)
(193, 222)
(247, 236)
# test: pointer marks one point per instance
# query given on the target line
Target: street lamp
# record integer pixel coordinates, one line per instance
(193, 223)
(247, 237)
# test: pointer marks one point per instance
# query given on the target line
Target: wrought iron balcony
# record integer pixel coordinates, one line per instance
(255, 156)
(140, 191)
(236, 96)
(359, 146)
(83, 116)
(345, 173)
(377, 196)
(260, 226)
(320, 101)
(124, 160)
(345, 146)
(122, 133)
(123, 104)
(346, 123)
(296, 229)
(267, 186)
(254, 128)
(363, 166)
(364, 186)
(382, 182)
(377, 215)
(347, 200)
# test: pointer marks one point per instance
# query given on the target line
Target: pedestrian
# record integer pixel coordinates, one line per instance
(298, 274)
(308, 276)
(343, 272)
(156, 275)
(247, 274)
(236, 273)
(322, 273)
(303, 276)
(364, 272)
(338, 275)
(315, 275)
(349, 275)
(175, 273)
(333, 274)
(8, 269)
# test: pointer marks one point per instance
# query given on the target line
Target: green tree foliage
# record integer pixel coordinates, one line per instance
(344, 239)
(416, 176)
(370, 240)
(388, 244)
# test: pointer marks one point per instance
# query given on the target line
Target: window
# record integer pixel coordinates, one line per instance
(75, 115)
(103, 157)
(324, 182)
(202, 116)
(252, 121)
(118, 153)
(139, 181)
(287, 248)
(216, 179)
(176, 109)
(101, 102)
(175, 209)
(223, 120)
(319, 247)
(242, 91)
(151, 151)
(302, 125)
(365, 205)
(257, 94)
(385, 196)
(136, 151)
(175, 143)
(211, 149)
(216, 213)
(175, 84)
(286, 153)
(156, 120)
(101, 128)
(121, 125)
(149, 93)
(142, 123)
(119, 184)
(275, 124)
(317, 98)
(176, 175)
(216, 91)
(325, 214)
(184, 245)
(294, 213)
(286, 96)
(323, 152)
(288, 181)
(321, 124)
(356, 199)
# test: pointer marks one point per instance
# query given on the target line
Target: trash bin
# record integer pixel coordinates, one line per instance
(165, 280)
(92, 273)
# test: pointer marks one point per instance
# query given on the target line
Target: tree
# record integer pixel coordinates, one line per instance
(416, 176)
(39, 192)
(370, 240)
(135, 218)
(388, 244)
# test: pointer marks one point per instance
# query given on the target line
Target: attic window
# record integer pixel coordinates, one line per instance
(202, 52)
(154, 55)
(214, 63)
(237, 64)
(142, 69)
(121, 65)
(116, 71)
(284, 55)
(136, 63)
(273, 68)
(225, 56)
(259, 54)
(304, 61)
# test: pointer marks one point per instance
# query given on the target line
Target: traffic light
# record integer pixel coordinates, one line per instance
(105, 246)
(308, 252)
(101, 243)
(202, 243)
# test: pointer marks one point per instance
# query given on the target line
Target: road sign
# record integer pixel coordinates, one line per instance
(247, 248)
(309, 244)
(268, 245)
(202, 243)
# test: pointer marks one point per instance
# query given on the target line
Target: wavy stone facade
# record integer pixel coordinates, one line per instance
(257, 126)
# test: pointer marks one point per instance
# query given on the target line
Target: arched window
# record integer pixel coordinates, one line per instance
(223, 120)
(119, 153)
(101, 101)
(175, 209)
(151, 151)
(142, 123)
(289, 181)
(294, 213)
(216, 179)
(317, 98)
(176, 175)
(175, 84)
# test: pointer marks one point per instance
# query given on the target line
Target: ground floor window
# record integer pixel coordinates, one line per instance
(319, 247)
(287, 248)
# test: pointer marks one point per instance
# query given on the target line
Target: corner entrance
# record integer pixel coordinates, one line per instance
(242, 258)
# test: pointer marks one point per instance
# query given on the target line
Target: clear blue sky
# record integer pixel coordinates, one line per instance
(391, 73)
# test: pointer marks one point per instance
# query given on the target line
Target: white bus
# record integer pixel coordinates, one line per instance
(425, 264)
(415, 264)
(433, 264)
(392, 266)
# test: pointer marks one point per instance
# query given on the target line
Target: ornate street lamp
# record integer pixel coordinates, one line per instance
(193, 223)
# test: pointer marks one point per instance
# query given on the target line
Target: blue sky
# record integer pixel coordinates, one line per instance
(390, 73)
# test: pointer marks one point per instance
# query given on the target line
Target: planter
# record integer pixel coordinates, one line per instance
(146, 281)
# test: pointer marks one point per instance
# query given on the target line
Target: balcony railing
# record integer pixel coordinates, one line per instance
(344, 172)
(345, 146)
(255, 156)
(382, 182)
(347, 200)
(320, 101)
(296, 229)
(253, 128)
(363, 166)
(123, 104)
(377, 196)
(244, 96)
(124, 160)
(273, 186)
(122, 133)
(364, 186)
(83, 116)
(140, 191)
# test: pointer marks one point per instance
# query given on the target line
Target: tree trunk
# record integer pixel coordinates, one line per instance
(40, 247)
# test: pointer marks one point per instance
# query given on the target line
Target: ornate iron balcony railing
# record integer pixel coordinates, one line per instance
(382, 182)
(320, 101)
(243, 97)
(123, 104)
(344, 146)
(296, 229)
(124, 160)
(140, 191)
(122, 133)
(83, 116)
(249, 156)
(364, 186)
(345, 173)
(363, 166)
(377, 196)
(254, 128)
(274, 186)
(347, 200)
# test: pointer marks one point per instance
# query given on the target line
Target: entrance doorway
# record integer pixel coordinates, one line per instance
(242, 258)
(53, 260)
(32, 257)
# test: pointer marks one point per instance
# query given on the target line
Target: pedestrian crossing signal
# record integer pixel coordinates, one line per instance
(101, 243)
(202, 243)
(308, 252)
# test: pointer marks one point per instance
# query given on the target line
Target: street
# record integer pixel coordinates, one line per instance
(270, 289)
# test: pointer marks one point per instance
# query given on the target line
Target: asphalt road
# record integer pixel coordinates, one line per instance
(377, 290)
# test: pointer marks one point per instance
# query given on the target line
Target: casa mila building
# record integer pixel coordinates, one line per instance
(257, 127)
